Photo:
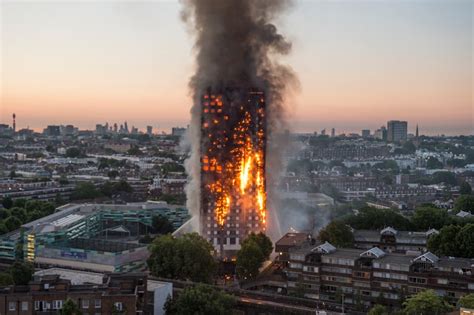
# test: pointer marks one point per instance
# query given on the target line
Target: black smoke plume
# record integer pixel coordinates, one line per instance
(237, 44)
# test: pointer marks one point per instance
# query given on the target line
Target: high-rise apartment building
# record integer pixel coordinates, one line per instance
(233, 137)
(397, 130)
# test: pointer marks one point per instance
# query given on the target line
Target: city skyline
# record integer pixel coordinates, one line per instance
(136, 66)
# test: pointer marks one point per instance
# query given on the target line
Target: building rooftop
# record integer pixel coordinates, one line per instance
(290, 239)
(349, 253)
(76, 277)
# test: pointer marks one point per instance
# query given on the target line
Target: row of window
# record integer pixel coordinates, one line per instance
(56, 305)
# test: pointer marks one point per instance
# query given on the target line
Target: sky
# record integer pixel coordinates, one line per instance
(359, 63)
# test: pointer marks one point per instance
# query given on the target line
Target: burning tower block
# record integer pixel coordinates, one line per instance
(233, 194)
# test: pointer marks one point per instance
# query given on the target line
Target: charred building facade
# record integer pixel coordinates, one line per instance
(233, 191)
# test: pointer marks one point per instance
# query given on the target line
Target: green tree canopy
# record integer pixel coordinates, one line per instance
(6, 279)
(426, 302)
(162, 225)
(263, 242)
(338, 234)
(70, 308)
(453, 240)
(85, 191)
(19, 213)
(465, 188)
(109, 189)
(370, 218)
(433, 163)
(186, 258)
(21, 272)
(12, 223)
(442, 244)
(249, 260)
(378, 309)
(7, 202)
(467, 301)
(449, 178)
(464, 203)
(74, 152)
(200, 300)
(465, 241)
(426, 217)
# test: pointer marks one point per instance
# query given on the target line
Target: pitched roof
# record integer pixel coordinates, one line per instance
(325, 248)
(428, 256)
(373, 252)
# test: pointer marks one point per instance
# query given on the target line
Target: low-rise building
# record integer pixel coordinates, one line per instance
(365, 277)
(97, 237)
(393, 241)
(46, 294)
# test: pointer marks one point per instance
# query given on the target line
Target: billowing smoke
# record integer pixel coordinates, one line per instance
(236, 44)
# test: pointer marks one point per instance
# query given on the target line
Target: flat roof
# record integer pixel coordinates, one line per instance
(75, 276)
(292, 239)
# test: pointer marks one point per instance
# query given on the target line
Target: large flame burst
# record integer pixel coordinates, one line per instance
(233, 158)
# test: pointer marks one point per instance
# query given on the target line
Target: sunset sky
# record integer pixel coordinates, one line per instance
(360, 63)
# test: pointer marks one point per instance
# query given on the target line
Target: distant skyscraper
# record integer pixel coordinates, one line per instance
(397, 130)
(125, 127)
(381, 133)
(323, 132)
(178, 131)
(417, 134)
(333, 133)
(52, 131)
(149, 130)
(14, 122)
(365, 133)
(115, 128)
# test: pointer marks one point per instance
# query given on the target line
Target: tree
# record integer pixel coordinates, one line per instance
(134, 150)
(112, 174)
(249, 260)
(85, 191)
(200, 300)
(73, 152)
(4, 213)
(426, 302)
(465, 241)
(12, 223)
(186, 258)
(467, 301)
(449, 178)
(409, 147)
(109, 189)
(464, 203)
(3, 228)
(370, 218)
(433, 163)
(19, 213)
(162, 225)
(6, 279)
(426, 217)
(442, 244)
(465, 188)
(7, 202)
(378, 310)
(21, 272)
(171, 167)
(263, 242)
(338, 234)
(70, 308)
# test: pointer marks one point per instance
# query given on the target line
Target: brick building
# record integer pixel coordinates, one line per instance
(391, 240)
(366, 277)
(45, 295)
